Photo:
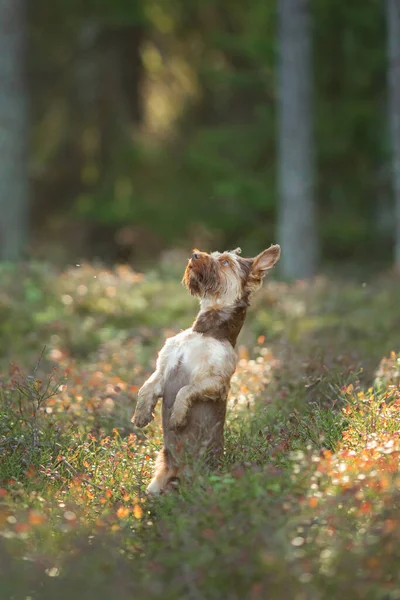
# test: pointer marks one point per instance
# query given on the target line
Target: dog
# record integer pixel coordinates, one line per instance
(194, 368)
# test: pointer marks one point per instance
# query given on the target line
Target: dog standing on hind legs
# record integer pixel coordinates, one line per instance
(194, 368)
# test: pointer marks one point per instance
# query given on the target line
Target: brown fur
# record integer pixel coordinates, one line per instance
(206, 278)
(222, 324)
(202, 436)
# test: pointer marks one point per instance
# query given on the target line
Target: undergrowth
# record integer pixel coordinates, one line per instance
(306, 503)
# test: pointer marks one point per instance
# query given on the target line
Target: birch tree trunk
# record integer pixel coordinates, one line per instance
(14, 187)
(296, 169)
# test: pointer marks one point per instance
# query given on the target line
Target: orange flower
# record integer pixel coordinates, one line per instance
(36, 518)
(123, 512)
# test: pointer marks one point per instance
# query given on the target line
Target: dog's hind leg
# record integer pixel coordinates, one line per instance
(165, 473)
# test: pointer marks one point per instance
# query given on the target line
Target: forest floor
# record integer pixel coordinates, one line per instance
(307, 503)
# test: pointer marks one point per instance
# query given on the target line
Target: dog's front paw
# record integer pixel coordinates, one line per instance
(178, 416)
(141, 418)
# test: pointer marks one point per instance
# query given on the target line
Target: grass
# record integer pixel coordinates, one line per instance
(306, 504)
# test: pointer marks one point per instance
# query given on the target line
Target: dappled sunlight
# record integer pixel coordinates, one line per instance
(252, 376)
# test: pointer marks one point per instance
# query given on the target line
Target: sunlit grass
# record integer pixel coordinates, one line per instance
(306, 502)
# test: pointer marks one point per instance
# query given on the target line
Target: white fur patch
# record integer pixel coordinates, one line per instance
(200, 354)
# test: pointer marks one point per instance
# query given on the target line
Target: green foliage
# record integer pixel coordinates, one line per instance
(306, 501)
(202, 153)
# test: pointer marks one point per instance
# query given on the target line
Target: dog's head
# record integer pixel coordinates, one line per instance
(223, 278)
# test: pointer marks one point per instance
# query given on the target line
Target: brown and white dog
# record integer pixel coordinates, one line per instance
(194, 368)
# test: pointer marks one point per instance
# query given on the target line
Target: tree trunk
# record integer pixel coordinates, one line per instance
(14, 188)
(393, 35)
(133, 71)
(296, 211)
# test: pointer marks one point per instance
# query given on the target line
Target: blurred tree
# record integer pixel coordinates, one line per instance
(393, 33)
(157, 119)
(13, 131)
(296, 223)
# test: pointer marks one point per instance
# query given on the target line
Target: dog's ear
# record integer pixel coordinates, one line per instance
(266, 260)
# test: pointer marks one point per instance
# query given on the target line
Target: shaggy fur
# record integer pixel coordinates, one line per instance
(195, 367)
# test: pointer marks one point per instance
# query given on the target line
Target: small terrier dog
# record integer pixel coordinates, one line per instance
(194, 368)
